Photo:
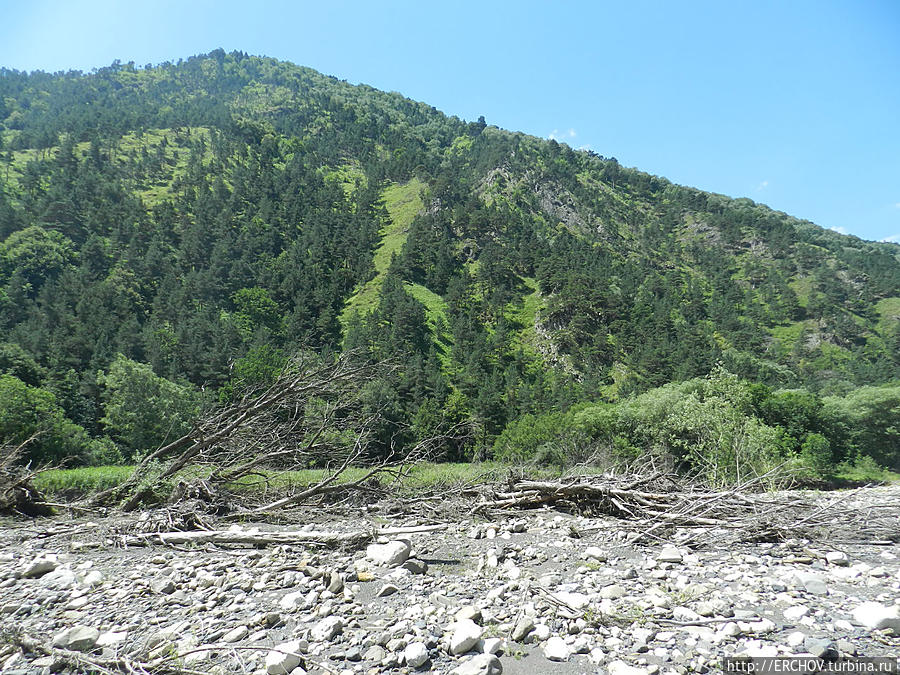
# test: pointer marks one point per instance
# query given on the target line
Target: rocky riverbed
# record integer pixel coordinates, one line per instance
(527, 592)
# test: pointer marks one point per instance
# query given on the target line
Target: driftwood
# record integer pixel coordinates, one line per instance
(664, 507)
(17, 491)
(169, 664)
(353, 539)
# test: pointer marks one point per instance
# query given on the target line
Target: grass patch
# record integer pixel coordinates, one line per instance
(347, 176)
(82, 480)
(865, 470)
(422, 477)
(85, 480)
(523, 315)
(435, 307)
(788, 335)
(802, 288)
(402, 202)
(175, 156)
(888, 314)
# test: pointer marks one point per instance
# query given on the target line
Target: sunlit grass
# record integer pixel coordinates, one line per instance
(417, 478)
(402, 202)
(424, 475)
(82, 480)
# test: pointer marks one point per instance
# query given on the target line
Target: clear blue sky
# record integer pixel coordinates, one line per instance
(793, 103)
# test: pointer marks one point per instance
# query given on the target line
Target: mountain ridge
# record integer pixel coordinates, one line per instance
(208, 215)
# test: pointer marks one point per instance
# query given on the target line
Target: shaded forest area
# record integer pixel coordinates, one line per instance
(171, 236)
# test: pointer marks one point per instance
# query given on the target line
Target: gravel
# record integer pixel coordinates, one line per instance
(515, 595)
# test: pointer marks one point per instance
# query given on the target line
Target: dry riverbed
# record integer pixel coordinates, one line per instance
(536, 591)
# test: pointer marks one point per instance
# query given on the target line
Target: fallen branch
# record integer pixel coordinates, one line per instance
(354, 539)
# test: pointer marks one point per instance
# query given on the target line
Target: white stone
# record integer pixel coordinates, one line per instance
(492, 645)
(730, 629)
(556, 649)
(812, 583)
(327, 629)
(111, 638)
(612, 592)
(415, 654)
(838, 558)
(392, 554)
(291, 600)
(581, 645)
(59, 579)
(77, 638)
(875, 616)
(523, 626)
(622, 668)
(763, 626)
(482, 664)
(685, 614)
(758, 648)
(795, 612)
(284, 658)
(386, 590)
(236, 634)
(796, 638)
(40, 566)
(670, 554)
(596, 553)
(465, 635)
(541, 632)
(469, 612)
(574, 600)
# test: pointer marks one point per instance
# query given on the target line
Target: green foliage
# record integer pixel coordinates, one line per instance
(721, 428)
(864, 469)
(30, 412)
(869, 423)
(539, 439)
(35, 254)
(260, 368)
(210, 216)
(82, 480)
(142, 411)
(17, 362)
(255, 312)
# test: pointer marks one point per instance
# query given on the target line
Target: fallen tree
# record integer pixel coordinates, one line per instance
(311, 416)
(17, 491)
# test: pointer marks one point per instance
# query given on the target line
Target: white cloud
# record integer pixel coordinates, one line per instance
(897, 205)
(893, 239)
(557, 135)
(839, 230)
(762, 186)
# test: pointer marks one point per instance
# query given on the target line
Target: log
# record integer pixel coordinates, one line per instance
(219, 537)
(353, 539)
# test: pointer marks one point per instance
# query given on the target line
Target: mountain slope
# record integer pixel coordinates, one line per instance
(208, 217)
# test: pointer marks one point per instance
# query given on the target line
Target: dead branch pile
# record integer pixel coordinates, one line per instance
(662, 507)
(17, 491)
(312, 416)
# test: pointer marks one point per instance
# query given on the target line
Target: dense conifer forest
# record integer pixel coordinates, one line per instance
(171, 234)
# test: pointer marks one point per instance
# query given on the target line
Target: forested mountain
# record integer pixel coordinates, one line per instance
(169, 234)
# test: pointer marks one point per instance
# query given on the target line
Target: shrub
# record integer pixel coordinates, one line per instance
(541, 439)
(27, 411)
(143, 410)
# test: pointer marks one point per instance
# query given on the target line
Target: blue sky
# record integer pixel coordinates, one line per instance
(795, 104)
